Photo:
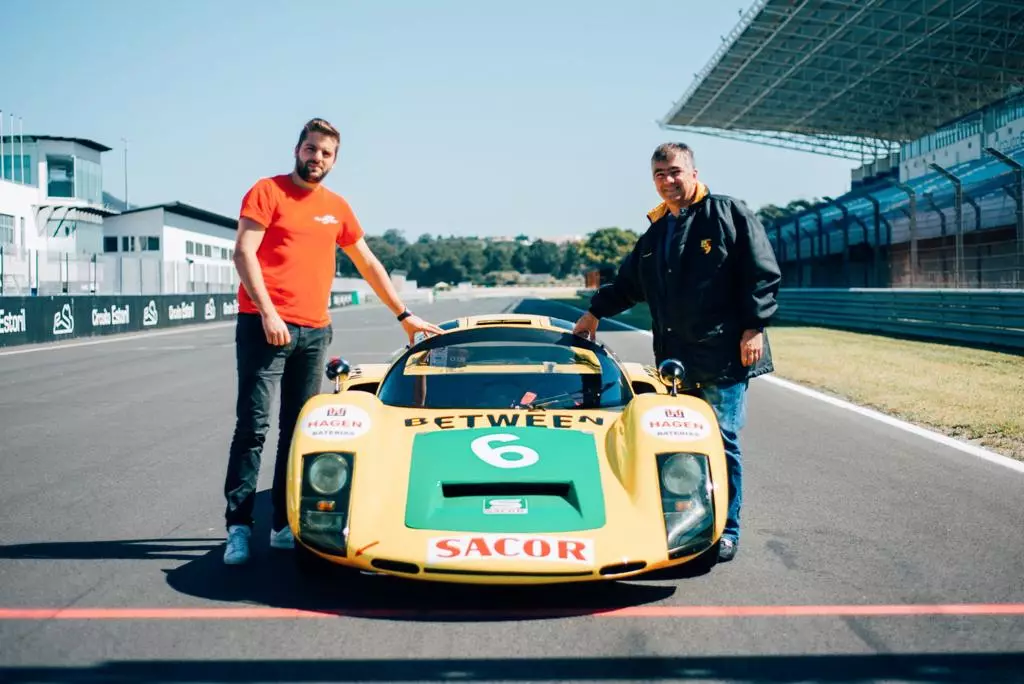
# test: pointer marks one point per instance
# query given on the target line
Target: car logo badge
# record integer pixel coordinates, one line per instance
(505, 506)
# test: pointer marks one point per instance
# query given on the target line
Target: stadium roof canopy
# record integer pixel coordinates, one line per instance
(854, 78)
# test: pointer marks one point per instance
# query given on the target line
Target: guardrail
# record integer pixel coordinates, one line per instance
(33, 320)
(972, 316)
(987, 317)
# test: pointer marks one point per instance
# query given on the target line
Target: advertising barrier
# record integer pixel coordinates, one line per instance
(35, 320)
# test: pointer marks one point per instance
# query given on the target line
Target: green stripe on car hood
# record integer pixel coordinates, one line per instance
(505, 479)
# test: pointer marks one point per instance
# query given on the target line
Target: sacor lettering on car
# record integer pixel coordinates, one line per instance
(510, 547)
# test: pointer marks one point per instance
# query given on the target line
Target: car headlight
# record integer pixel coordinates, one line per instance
(686, 502)
(328, 474)
(682, 474)
(323, 510)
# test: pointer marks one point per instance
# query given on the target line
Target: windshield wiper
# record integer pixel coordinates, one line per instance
(541, 404)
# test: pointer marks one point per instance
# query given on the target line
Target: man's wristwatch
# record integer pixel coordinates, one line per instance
(402, 316)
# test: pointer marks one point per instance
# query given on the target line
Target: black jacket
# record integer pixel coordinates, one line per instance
(718, 278)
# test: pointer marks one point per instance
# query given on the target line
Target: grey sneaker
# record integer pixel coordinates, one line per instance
(237, 550)
(282, 539)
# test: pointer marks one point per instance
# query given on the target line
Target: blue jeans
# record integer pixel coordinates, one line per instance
(297, 367)
(729, 403)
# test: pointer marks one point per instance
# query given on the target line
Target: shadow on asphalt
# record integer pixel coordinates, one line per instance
(272, 578)
(991, 668)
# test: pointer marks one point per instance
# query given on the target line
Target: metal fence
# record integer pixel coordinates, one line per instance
(982, 317)
(961, 227)
(36, 272)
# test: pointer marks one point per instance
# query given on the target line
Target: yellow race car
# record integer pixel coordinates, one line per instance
(506, 450)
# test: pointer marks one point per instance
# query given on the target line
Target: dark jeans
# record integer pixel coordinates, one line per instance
(729, 403)
(297, 368)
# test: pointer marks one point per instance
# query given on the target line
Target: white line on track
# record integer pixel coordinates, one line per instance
(940, 438)
(972, 449)
(127, 337)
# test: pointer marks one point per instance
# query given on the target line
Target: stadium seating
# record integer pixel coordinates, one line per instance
(981, 178)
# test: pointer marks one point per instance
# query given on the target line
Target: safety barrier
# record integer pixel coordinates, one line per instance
(989, 317)
(985, 317)
(34, 320)
(971, 316)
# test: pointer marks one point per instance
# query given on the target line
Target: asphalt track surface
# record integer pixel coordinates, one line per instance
(868, 554)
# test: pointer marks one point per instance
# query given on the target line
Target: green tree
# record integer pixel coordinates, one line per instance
(520, 258)
(571, 260)
(395, 238)
(473, 260)
(499, 257)
(389, 254)
(607, 247)
(542, 257)
(769, 213)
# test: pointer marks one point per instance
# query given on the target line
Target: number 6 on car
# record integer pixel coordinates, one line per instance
(496, 457)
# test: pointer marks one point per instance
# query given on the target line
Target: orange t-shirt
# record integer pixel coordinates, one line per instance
(297, 252)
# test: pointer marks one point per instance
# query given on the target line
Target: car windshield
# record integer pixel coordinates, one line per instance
(501, 368)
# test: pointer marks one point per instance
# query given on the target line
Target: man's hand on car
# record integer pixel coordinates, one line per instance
(586, 326)
(414, 324)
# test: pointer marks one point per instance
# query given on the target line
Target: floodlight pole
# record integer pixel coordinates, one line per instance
(810, 242)
(777, 240)
(876, 263)
(930, 196)
(822, 254)
(785, 218)
(125, 140)
(780, 246)
(846, 236)
(959, 210)
(788, 217)
(912, 215)
(1018, 200)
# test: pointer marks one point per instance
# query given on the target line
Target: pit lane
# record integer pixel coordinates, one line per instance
(110, 482)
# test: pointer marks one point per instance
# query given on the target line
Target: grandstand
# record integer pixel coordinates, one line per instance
(928, 95)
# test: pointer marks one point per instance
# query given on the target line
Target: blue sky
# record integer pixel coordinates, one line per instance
(464, 118)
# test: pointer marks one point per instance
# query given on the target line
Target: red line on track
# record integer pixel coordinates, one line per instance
(250, 613)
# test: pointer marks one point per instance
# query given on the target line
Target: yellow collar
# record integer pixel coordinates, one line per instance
(658, 212)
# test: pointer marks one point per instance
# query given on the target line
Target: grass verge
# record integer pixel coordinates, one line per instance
(971, 394)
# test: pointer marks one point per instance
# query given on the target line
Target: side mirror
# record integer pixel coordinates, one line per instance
(337, 372)
(672, 374)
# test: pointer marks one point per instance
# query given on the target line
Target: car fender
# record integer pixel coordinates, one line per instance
(654, 424)
(351, 421)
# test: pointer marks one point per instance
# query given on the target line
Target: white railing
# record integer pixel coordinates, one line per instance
(50, 273)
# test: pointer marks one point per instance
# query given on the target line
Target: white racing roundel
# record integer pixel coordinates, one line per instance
(676, 423)
(336, 421)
